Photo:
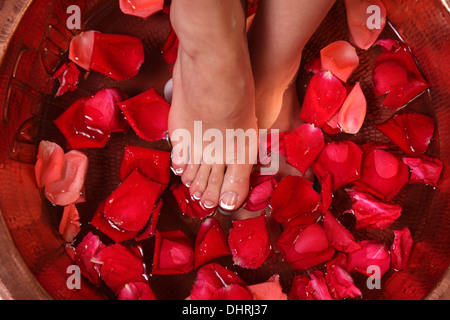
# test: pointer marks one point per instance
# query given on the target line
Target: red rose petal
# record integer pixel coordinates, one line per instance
(371, 213)
(116, 56)
(304, 252)
(314, 66)
(326, 193)
(154, 164)
(383, 173)
(148, 114)
(84, 252)
(324, 96)
(69, 225)
(213, 279)
(120, 265)
(401, 248)
(295, 200)
(388, 44)
(298, 289)
(249, 242)
(261, 189)
(188, 205)
(150, 231)
(340, 58)
(372, 253)
(69, 188)
(424, 170)
(136, 291)
(352, 114)
(269, 290)
(68, 76)
(339, 237)
(357, 18)
(49, 163)
(170, 48)
(211, 243)
(339, 281)
(412, 132)
(173, 253)
(342, 159)
(303, 145)
(141, 8)
(129, 207)
(317, 287)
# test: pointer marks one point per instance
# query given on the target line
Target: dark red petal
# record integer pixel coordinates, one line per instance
(68, 76)
(249, 242)
(84, 252)
(211, 278)
(295, 199)
(357, 19)
(342, 159)
(298, 288)
(324, 96)
(424, 170)
(154, 164)
(352, 114)
(383, 173)
(269, 290)
(120, 265)
(211, 243)
(170, 48)
(150, 231)
(411, 132)
(49, 163)
(303, 145)
(69, 188)
(129, 207)
(340, 58)
(141, 8)
(261, 189)
(314, 66)
(148, 114)
(136, 291)
(317, 287)
(188, 205)
(372, 253)
(326, 192)
(339, 280)
(338, 236)
(387, 44)
(303, 251)
(401, 249)
(70, 226)
(173, 253)
(232, 292)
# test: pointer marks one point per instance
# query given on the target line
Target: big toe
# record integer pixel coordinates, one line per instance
(235, 186)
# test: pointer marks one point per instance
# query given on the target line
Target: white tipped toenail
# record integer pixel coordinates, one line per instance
(229, 200)
(197, 195)
(179, 171)
(209, 204)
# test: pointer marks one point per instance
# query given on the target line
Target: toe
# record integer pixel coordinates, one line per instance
(189, 174)
(180, 157)
(235, 186)
(200, 181)
(211, 195)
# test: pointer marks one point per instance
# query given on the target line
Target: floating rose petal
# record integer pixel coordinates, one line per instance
(326, 193)
(396, 74)
(49, 163)
(148, 114)
(261, 189)
(317, 287)
(187, 204)
(387, 45)
(68, 76)
(129, 207)
(424, 170)
(352, 114)
(340, 58)
(339, 281)
(249, 242)
(401, 248)
(269, 290)
(294, 201)
(303, 145)
(116, 56)
(383, 173)
(120, 265)
(342, 159)
(69, 188)
(170, 48)
(305, 248)
(324, 96)
(211, 243)
(150, 231)
(411, 132)
(84, 252)
(70, 226)
(154, 164)
(371, 213)
(372, 254)
(359, 17)
(173, 253)
(298, 289)
(314, 66)
(338, 236)
(136, 291)
(141, 8)
(214, 282)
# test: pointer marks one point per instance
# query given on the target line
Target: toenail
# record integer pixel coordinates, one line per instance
(208, 204)
(197, 195)
(229, 200)
(179, 171)
(188, 184)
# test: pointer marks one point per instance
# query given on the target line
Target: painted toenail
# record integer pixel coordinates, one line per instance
(197, 195)
(179, 171)
(188, 184)
(229, 200)
(208, 204)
